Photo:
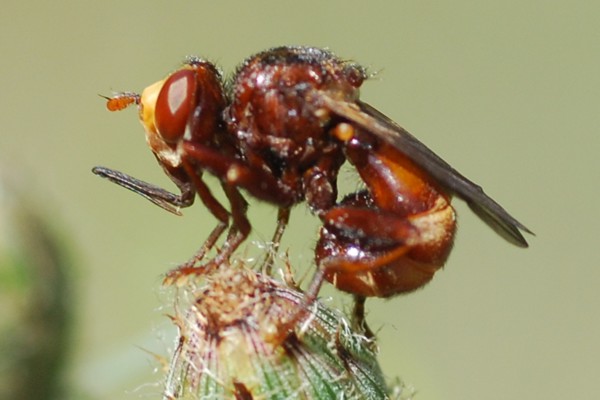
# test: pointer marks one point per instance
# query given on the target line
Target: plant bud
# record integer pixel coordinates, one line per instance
(238, 339)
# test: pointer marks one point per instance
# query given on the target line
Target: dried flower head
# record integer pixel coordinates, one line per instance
(237, 339)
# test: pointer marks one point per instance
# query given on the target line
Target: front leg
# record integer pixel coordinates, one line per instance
(189, 181)
(157, 195)
(259, 182)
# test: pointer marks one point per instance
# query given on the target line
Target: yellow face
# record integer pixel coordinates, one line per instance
(148, 106)
(166, 153)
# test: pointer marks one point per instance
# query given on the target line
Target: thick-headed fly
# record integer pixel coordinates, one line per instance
(280, 129)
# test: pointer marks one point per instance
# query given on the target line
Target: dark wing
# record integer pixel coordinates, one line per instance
(373, 121)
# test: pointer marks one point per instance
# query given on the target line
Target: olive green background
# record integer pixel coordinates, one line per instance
(507, 92)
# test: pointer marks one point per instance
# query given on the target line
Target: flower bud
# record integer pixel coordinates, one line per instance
(238, 338)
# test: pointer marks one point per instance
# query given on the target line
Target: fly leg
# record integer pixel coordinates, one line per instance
(257, 180)
(283, 217)
(359, 322)
(240, 228)
(218, 211)
(157, 195)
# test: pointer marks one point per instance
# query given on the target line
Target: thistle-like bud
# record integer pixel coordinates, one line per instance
(238, 338)
(35, 297)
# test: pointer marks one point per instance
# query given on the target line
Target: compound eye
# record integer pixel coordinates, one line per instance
(174, 105)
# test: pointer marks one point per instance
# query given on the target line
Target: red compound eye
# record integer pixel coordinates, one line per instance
(174, 105)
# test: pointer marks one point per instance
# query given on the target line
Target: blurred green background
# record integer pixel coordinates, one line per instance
(507, 92)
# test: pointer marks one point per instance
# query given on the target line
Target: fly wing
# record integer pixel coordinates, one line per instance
(375, 122)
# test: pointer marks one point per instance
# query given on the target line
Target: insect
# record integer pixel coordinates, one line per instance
(281, 129)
